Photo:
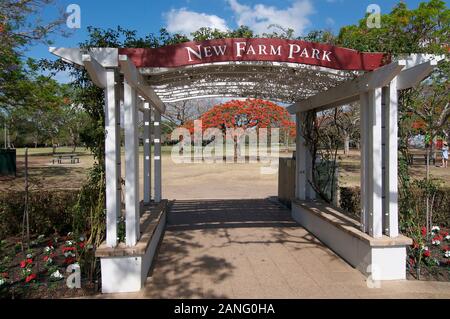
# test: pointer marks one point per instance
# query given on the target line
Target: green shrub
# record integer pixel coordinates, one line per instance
(439, 204)
(49, 212)
(350, 201)
(442, 207)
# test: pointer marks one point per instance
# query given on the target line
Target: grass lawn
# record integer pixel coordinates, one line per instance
(48, 151)
(183, 180)
(349, 170)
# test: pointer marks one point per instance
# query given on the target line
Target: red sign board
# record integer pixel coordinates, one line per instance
(272, 50)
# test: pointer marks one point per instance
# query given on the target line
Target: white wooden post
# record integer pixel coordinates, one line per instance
(157, 157)
(131, 166)
(364, 108)
(112, 156)
(147, 155)
(310, 192)
(390, 159)
(371, 163)
(300, 159)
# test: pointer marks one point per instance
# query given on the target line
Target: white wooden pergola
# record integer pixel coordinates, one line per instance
(307, 87)
(377, 93)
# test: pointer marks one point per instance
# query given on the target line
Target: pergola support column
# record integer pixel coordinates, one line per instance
(390, 159)
(157, 157)
(371, 163)
(132, 208)
(147, 154)
(112, 156)
(300, 167)
(303, 173)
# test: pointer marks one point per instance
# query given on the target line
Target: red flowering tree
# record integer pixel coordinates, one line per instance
(246, 114)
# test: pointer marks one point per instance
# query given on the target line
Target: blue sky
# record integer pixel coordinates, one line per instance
(148, 16)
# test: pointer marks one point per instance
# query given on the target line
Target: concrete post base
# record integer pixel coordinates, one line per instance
(125, 269)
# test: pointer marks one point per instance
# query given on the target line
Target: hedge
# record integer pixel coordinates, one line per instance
(350, 202)
(50, 212)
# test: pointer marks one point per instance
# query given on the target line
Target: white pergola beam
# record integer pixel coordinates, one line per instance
(107, 57)
(419, 58)
(283, 75)
(268, 96)
(68, 55)
(135, 79)
(96, 71)
(350, 89)
(243, 66)
(414, 75)
(230, 86)
(205, 96)
(279, 95)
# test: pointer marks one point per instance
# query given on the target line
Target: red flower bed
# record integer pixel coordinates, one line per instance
(429, 256)
(43, 266)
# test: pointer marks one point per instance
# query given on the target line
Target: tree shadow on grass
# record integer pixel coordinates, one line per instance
(45, 177)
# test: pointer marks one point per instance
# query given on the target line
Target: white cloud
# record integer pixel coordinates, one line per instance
(260, 17)
(185, 21)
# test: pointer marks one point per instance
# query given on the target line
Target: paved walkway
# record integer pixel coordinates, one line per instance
(253, 249)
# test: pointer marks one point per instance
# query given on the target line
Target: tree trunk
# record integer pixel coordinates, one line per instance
(74, 140)
(346, 144)
(286, 140)
(235, 150)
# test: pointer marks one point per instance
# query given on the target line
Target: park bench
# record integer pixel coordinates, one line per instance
(74, 158)
(414, 157)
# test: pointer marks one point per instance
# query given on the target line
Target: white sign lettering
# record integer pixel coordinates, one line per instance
(205, 52)
(292, 51)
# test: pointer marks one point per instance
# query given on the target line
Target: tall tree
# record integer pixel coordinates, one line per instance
(247, 114)
(21, 25)
(347, 122)
(42, 117)
(179, 113)
(243, 115)
(422, 30)
(425, 29)
(430, 104)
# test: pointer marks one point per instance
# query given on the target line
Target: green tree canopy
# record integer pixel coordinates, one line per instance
(422, 30)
